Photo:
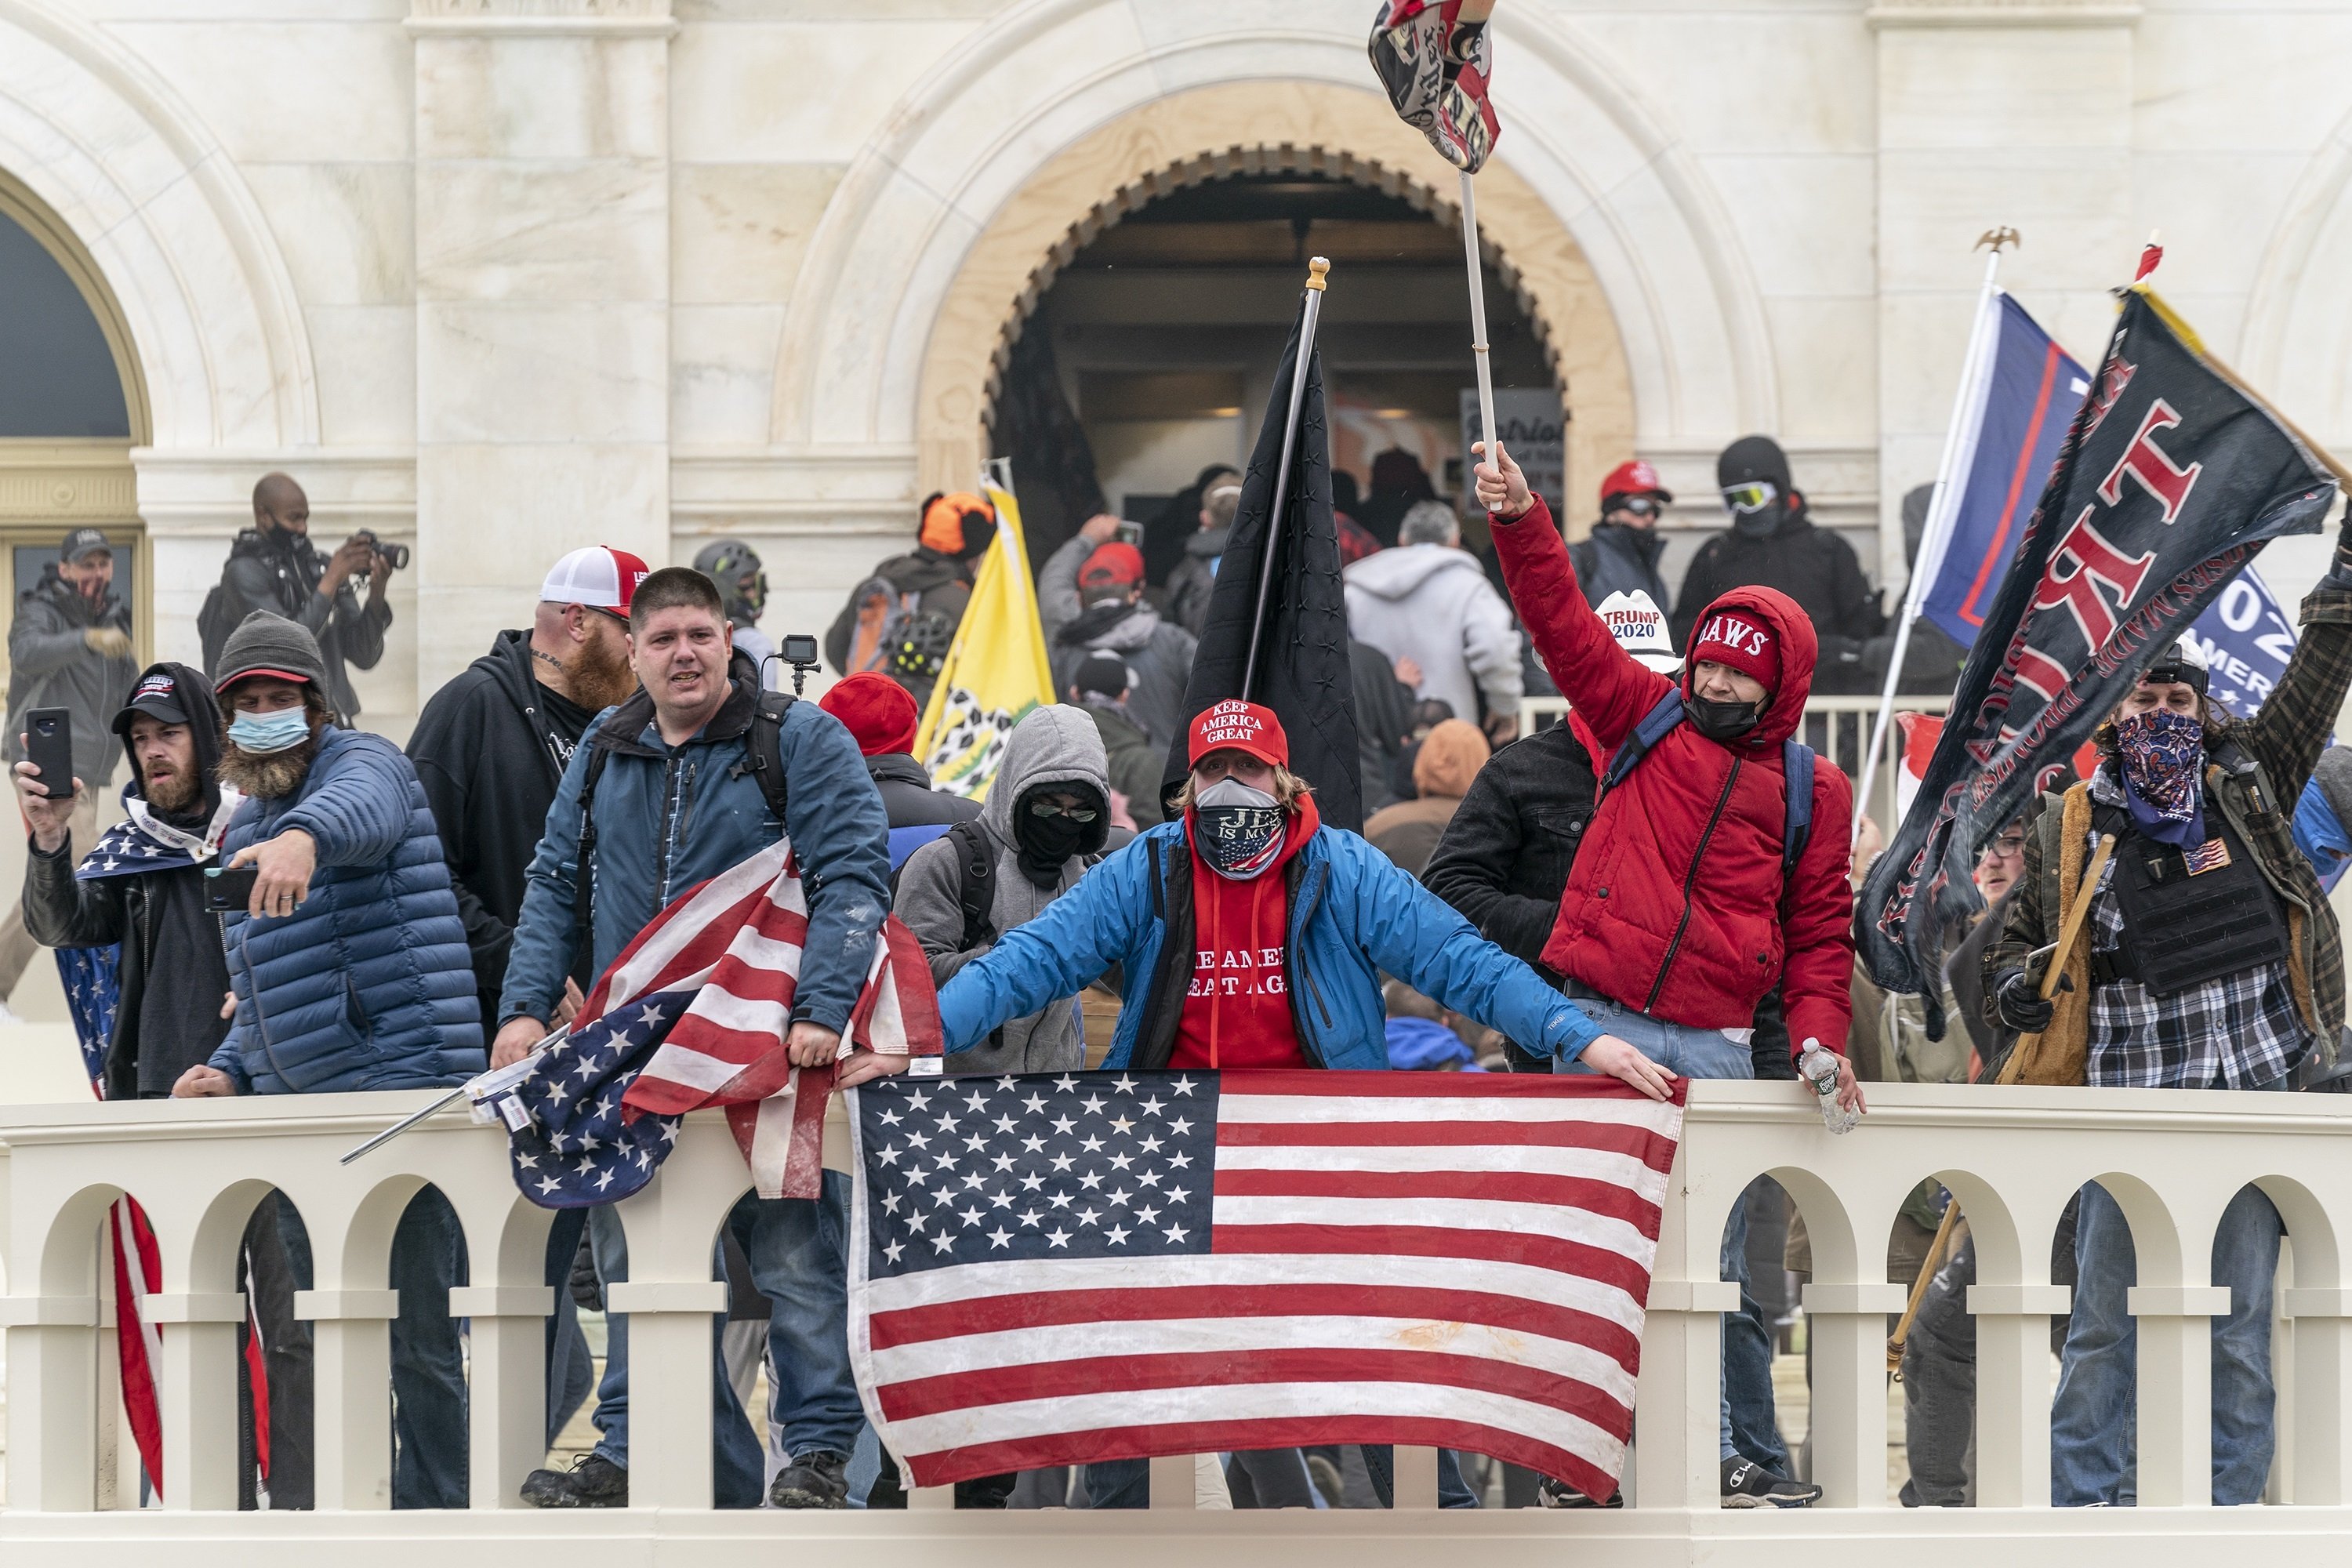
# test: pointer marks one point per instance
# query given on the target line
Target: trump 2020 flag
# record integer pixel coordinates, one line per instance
(1051, 1270)
(2171, 478)
(2013, 420)
(996, 669)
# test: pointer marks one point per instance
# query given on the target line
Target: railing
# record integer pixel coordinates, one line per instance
(1837, 727)
(2011, 1156)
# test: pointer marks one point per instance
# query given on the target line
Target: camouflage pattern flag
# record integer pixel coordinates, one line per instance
(1431, 59)
(2171, 478)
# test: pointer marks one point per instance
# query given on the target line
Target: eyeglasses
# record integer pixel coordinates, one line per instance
(1754, 495)
(1051, 808)
(2007, 845)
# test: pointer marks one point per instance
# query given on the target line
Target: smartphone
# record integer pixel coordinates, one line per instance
(49, 746)
(228, 891)
(800, 648)
(1130, 533)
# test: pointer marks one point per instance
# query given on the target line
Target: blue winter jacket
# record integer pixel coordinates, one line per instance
(368, 984)
(1353, 914)
(670, 816)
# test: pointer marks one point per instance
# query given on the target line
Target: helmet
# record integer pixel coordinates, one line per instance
(1633, 479)
(735, 567)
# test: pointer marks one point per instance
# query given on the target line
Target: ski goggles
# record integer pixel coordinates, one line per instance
(1753, 496)
(1640, 506)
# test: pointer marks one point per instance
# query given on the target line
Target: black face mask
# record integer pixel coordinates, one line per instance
(1763, 522)
(1044, 845)
(1723, 721)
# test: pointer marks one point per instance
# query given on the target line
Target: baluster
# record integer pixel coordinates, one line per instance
(2322, 1327)
(1847, 1324)
(197, 1392)
(1172, 1481)
(669, 1383)
(2176, 1391)
(507, 1405)
(1677, 1405)
(352, 1420)
(51, 1400)
(2013, 1391)
(1415, 1473)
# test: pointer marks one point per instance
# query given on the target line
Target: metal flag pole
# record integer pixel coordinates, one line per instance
(1941, 505)
(1317, 267)
(1478, 315)
(506, 1077)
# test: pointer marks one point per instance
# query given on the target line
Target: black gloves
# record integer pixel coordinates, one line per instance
(2019, 1001)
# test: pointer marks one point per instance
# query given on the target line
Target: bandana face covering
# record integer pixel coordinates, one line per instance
(2162, 755)
(1237, 829)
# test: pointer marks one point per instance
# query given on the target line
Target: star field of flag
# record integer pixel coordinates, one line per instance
(974, 1169)
(579, 1149)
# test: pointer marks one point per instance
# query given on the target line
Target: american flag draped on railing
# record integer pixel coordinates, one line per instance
(693, 1014)
(1051, 1270)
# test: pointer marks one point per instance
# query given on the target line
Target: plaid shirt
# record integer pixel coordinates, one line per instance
(2241, 1031)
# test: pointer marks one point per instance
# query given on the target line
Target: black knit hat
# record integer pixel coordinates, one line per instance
(266, 644)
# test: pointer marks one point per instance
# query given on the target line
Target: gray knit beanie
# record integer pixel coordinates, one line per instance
(266, 644)
(2333, 778)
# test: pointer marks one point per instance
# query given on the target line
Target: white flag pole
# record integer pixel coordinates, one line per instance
(1478, 315)
(1943, 506)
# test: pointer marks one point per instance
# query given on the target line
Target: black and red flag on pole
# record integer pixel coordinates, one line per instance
(2171, 478)
(1431, 59)
(1298, 621)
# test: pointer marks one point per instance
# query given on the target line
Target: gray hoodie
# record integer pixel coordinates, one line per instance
(1056, 745)
(1432, 604)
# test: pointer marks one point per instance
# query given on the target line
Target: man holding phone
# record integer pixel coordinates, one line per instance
(1090, 598)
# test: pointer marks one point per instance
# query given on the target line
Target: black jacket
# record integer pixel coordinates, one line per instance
(1620, 560)
(280, 572)
(908, 798)
(1816, 567)
(131, 909)
(1383, 718)
(489, 758)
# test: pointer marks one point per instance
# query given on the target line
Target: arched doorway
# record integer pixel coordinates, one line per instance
(1148, 339)
(68, 423)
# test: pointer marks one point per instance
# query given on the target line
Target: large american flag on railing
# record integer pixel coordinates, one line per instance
(1048, 1270)
(693, 1013)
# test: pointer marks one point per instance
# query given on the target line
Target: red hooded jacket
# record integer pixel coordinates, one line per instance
(1677, 905)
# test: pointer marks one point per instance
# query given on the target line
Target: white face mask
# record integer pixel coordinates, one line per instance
(1237, 828)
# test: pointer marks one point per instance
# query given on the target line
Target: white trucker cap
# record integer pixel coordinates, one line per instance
(599, 577)
(1639, 628)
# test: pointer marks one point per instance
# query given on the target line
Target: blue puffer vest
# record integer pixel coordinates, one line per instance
(368, 984)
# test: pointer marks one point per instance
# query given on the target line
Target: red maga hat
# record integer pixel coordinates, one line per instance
(1238, 726)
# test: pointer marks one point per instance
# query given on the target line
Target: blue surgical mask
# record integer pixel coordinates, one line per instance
(262, 733)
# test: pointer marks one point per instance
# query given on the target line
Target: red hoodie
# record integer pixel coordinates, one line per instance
(1675, 905)
(1237, 1009)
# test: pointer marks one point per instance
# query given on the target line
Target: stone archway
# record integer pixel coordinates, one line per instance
(1333, 132)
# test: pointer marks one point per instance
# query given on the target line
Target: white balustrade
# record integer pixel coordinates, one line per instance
(2011, 1156)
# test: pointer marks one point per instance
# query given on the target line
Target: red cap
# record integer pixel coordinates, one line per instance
(596, 575)
(1741, 641)
(1241, 727)
(1633, 479)
(1117, 562)
(877, 711)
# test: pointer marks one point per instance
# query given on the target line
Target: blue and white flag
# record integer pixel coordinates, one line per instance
(2246, 640)
(2013, 420)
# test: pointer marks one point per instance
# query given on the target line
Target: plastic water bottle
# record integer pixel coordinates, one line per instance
(1820, 1068)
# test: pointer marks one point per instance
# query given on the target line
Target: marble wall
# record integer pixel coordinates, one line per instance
(506, 275)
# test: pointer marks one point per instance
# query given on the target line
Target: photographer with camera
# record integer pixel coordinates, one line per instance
(274, 566)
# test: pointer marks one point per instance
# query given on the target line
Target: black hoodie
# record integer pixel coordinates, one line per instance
(173, 976)
(490, 748)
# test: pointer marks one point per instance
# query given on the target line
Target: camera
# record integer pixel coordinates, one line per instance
(395, 555)
(800, 648)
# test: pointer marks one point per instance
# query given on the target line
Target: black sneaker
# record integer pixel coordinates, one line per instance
(1553, 1492)
(592, 1481)
(1746, 1484)
(812, 1480)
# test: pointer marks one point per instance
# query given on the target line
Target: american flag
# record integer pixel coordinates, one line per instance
(1047, 1271)
(692, 1014)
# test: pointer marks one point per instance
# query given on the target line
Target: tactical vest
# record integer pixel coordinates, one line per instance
(2190, 916)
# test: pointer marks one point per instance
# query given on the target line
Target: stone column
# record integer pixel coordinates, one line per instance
(1991, 113)
(543, 301)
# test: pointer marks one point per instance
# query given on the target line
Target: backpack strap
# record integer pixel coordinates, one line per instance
(1637, 745)
(1796, 824)
(975, 882)
(584, 878)
(764, 753)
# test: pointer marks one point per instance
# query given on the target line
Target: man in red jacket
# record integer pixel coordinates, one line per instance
(1679, 916)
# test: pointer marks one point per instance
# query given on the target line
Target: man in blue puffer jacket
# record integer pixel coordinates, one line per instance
(351, 971)
(677, 802)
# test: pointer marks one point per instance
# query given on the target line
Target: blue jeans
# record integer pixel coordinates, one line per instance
(428, 1377)
(2094, 1420)
(798, 1250)
(570, 1371)
(1127, 1483)
(1747, 1410)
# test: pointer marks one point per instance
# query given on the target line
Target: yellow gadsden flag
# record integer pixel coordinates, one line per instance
(995, 670)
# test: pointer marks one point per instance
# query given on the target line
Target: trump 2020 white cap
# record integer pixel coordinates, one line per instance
(1639, 628)
(599, 577)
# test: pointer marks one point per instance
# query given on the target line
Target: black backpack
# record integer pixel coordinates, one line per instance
(212, 627)
(763, 755)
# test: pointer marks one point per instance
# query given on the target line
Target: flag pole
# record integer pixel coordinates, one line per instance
(1939, 506)
(1315, 267)
(1477, 313)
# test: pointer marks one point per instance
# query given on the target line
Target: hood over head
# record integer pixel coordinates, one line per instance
(177, 693)
(1057, 745)
(1451, 755)
(1793, 640)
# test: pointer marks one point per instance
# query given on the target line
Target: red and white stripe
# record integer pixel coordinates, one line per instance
(738, 938)
(139, 1344)
(1453, 1260)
